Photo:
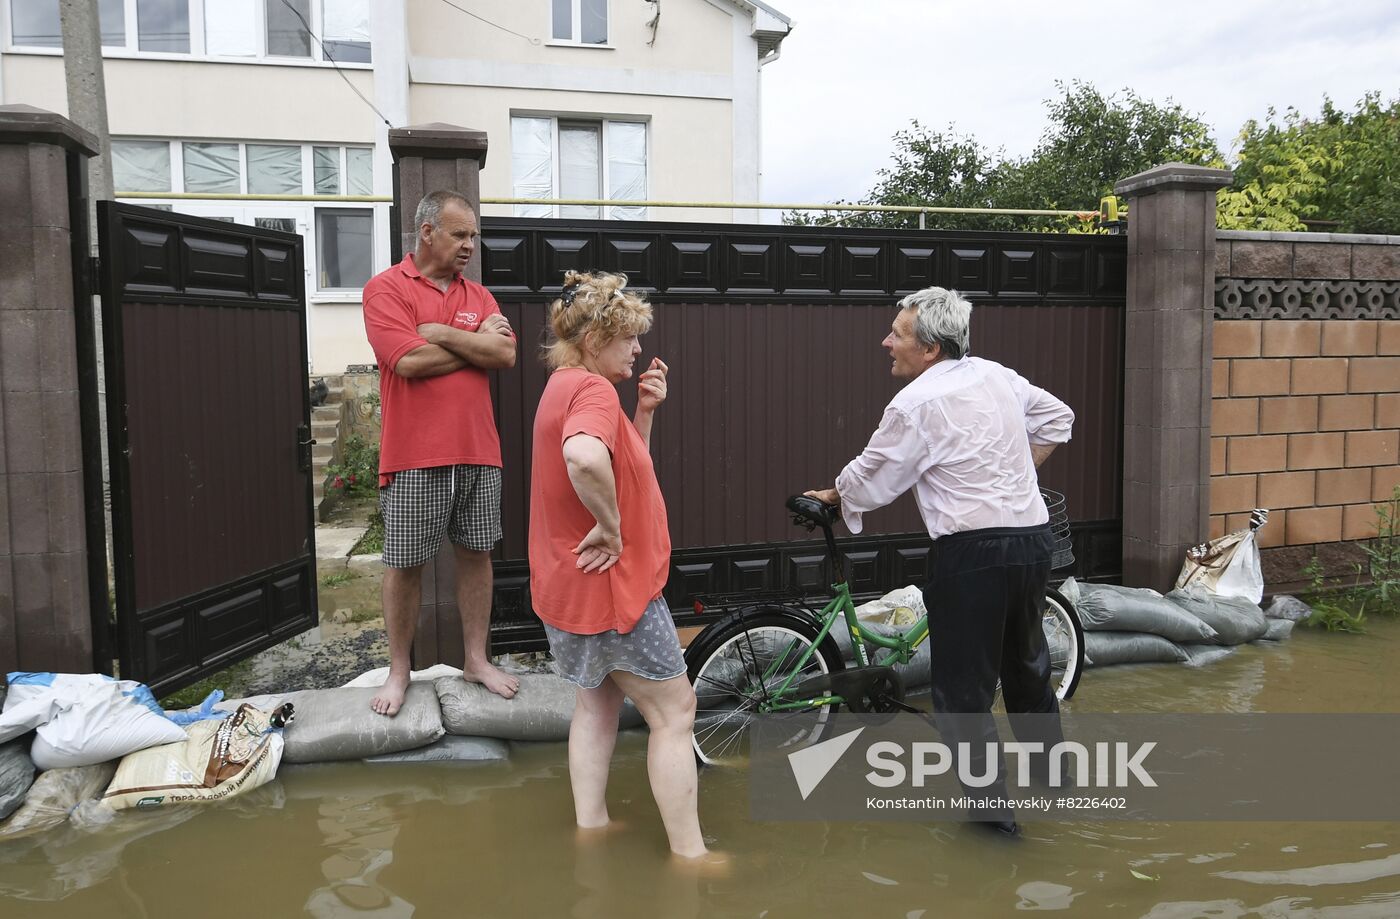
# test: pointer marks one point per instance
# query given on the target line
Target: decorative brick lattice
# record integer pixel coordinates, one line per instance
(1237, 298)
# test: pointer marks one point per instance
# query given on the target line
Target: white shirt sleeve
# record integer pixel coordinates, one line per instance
(892, 462)
(1048, 420)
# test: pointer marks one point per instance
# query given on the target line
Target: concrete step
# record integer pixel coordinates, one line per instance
(328, 413)
(325, 430)
(335, 395)
(323, 451)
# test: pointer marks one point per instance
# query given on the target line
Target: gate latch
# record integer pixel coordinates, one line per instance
(304, 444)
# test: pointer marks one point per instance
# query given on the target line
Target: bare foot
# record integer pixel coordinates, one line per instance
(389, 699)
(493, 678)
(707, 864)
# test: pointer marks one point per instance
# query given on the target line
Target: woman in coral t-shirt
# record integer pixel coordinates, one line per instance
(600, 553)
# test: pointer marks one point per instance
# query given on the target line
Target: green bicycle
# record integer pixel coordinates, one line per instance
(771, 655)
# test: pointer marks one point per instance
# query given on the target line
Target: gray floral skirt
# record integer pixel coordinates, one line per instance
(651, 650)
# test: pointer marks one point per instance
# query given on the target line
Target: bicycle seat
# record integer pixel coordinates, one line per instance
(813, 512)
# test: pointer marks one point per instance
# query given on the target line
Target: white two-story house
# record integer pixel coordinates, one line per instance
(276, 112)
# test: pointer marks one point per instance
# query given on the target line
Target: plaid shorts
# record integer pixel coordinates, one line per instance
(420, 506)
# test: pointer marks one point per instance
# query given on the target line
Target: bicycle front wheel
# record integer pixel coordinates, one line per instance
(735, 672)
(1065, 638)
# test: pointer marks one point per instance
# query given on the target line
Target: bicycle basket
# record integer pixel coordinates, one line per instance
(1062, 554)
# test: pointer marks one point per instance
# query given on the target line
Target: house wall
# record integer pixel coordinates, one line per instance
(1305, 417)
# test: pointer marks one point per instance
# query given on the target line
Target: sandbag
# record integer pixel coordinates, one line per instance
(336, 724)
(1104, 648)
(451, 748)
(83, 718)
(16, 775)
(1278, 630)
(540, 710)
(54, 794)
(1286, 607)
(1109, 608)
(220, 759)
(1199, 654)
(1234, 619)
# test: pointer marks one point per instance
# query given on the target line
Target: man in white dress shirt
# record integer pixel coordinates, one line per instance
(966, 435)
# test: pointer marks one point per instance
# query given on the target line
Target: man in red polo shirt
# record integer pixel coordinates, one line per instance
(435, 335)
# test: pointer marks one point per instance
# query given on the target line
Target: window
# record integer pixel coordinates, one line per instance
(211, 28)
(344, 247)
(230, 168)
(562, 158)
(141, 165)
(583, 22)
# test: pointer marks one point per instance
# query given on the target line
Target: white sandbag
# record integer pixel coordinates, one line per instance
(902, 606)
(219, 759)
(1278, 630)
(1104, 648)
(336, 724)
(540, 710)
(83, 718)
(54, 794)
(451, 748)
(1234, 619)
(16, 775)
(1109, 608)
(377, 676)
(1286, 607)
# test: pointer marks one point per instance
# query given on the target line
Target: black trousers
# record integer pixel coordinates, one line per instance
(985, 600)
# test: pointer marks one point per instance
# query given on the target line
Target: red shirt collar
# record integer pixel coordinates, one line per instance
(410, 268)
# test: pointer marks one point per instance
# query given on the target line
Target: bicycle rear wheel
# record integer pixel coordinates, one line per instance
(727, 664)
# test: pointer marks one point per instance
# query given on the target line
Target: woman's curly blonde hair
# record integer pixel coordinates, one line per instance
(596, 304)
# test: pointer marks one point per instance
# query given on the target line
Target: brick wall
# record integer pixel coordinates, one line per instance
(1306, 387)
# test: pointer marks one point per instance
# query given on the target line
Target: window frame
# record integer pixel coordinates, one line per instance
(604, 178)
(576, 28)
(198, 45)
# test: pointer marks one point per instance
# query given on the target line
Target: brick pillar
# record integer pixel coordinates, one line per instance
(428, 158)
(45, 610)
(1167, 365)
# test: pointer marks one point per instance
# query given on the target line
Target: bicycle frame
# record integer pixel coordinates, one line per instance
(900, 647)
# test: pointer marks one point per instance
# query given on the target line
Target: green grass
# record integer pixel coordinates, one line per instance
(233, 681)
(335, 580)
(372, 543)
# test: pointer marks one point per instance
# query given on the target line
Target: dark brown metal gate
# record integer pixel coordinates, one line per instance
(208, 414)
(773, 336)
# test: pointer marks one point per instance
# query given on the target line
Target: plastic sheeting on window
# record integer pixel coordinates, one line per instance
(211, 168)
(34, 23)
(580, 168)
(111, 16)
(274, 170)
(627, 167)
(359, 171)
(344, 247)
(325, 170)
(141, 165)
(231, 28)
(346, 29)
(532, 164)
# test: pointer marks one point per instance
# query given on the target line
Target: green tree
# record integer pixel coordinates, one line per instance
(1090, 142)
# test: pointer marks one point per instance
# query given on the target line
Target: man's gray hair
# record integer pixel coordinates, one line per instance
(430, 208)
(941, 317)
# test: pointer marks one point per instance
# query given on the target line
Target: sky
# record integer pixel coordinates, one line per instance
(853, 73)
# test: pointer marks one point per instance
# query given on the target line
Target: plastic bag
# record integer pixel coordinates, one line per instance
(1228, 566)
(83, 718)
(53, 795)
(219, 760)
(16, 775)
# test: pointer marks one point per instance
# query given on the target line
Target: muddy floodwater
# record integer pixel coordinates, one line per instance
(355, 840)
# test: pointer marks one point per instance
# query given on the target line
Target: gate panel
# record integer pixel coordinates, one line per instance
(778, 378)
(209, 420)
